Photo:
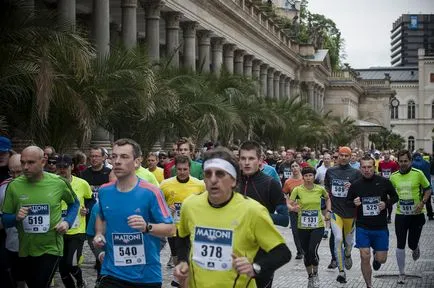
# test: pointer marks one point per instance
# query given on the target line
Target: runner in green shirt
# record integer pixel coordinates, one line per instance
(413, 190)
(306, 201)
(33, 204)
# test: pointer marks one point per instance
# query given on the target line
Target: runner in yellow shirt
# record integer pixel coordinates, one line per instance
(69, 265)
(223, 230)
(176, 189)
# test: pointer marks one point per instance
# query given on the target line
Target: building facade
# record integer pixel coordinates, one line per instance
(412, 116)
(409, 33)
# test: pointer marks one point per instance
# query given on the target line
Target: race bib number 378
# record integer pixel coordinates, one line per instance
(212, 248)
(38, 219)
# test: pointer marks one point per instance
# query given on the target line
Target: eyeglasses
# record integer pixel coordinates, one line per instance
(51, 162)
(218, 173)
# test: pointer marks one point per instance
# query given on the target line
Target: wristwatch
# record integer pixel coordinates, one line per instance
(148, 228)
(256, 268)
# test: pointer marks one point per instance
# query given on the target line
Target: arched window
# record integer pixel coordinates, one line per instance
(394, 112)
(410, 143)
(411, 112)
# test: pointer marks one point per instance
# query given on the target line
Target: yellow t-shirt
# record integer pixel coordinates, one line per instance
(145, 174)
(158, 173)
(176, 192)
(240, 227)
(83, 191)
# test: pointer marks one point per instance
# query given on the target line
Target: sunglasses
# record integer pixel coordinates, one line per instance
(51, 162)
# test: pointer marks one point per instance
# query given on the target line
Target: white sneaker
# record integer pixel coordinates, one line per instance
(315, 281)
(401, 279)
(310, 282)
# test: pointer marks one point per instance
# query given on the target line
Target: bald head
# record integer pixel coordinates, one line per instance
(33, 150)
(32, 163)
(14, 165)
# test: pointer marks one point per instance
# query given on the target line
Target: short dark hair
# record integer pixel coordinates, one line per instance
(182, 159)
(252, 145)
(95, 147)
(404, 152)
(367, 157)
(307, 170)
(137, 151)
(225, 154)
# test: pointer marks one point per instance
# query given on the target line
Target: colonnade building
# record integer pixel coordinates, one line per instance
(237, 36)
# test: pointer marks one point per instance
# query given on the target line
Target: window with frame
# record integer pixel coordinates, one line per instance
(410, 143)
(411, 110)
(393, 112)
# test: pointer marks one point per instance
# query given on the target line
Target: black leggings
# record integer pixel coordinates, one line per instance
(389, 210)
(332, 245)
(112, 282)
(69, 263)
(39, 271)
(172, 245)
(310, 239)
(293, 216)
(413, 225)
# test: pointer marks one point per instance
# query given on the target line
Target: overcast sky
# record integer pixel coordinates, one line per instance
(366, 24)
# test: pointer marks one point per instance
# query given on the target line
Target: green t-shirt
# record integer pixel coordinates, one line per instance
(195, 170)
(408, 186)
(36, 233)
(83, 191)
(309, 216)
(147, 175)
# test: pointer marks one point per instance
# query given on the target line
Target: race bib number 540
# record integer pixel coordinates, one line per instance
(212, 248)
(38, 219)
(128, 249)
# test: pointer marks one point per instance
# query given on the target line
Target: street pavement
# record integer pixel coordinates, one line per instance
(420, 273)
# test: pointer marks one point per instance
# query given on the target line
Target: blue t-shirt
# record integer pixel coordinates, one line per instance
(131, 255)
(270, 171)
(90, 229)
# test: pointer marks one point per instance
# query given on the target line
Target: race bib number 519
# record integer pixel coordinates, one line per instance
(212, 248)
(38, 219)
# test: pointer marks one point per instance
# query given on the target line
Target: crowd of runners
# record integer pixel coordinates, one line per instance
(216, 207)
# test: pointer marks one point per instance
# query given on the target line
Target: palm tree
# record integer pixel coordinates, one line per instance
(41, 71)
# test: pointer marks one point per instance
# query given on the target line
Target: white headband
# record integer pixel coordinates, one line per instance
(220, 164)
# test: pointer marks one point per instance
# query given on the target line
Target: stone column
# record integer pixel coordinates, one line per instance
(276, 85)
(256, 69)
(264, 82)
(248, 66)
(239, 62)
(228, 57)
(288, 87)
(152, 15)
(217, 54)
(172, 37)
(66, 11)
(282, 87)
(101, 24)
(204, 47)
(129, 23)
(270, 83)
(310, 94)
(189, 29)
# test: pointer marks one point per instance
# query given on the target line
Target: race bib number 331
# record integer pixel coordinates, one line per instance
(212, 248)
(38, 219)
(128, 249)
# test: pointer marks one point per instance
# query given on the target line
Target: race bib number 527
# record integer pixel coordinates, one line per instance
(212, 248)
